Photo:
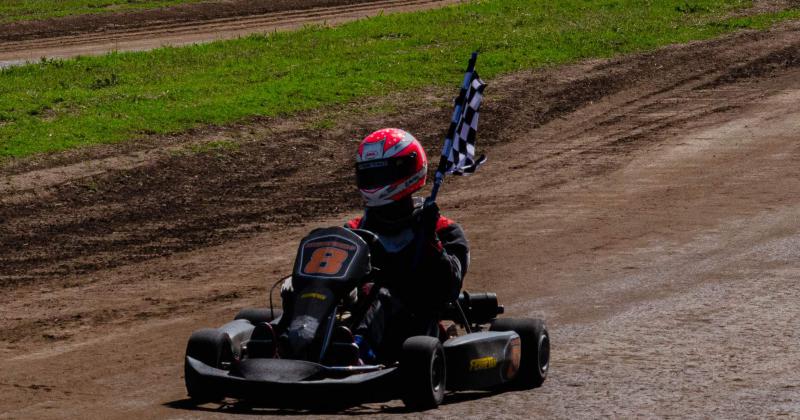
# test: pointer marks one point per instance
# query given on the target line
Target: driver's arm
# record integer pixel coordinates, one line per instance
(448, 259)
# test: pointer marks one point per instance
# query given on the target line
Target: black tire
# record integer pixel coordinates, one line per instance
(212, 347)
(423, 371)
(258, 315)
(535, 360)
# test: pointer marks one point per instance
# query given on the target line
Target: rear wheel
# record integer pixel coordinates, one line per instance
(258, 315)
(423, 372)
(212, 347)
(535, 360)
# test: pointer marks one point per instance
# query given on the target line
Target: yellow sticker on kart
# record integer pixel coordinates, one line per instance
(483, 363)
(318, 296)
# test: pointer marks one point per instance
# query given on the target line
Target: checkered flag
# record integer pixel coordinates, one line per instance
(458, 153)
(461, 136)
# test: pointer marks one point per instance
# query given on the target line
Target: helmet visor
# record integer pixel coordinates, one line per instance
(376, 174)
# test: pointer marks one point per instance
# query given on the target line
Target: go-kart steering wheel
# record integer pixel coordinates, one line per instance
(377, 251)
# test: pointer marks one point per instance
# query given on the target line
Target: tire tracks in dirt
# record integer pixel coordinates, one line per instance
(157, 34)
(646, 210)
(179, 201)
(177, 14)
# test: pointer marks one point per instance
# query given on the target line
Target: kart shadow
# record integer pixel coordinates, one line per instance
(249, 408)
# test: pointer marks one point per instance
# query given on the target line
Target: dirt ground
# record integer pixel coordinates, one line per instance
(646, 206)
(180, 25)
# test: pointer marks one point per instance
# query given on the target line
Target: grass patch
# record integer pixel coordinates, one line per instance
(17, 10)
(120, 96)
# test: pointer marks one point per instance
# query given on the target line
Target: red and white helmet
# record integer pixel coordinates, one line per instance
(391, 164)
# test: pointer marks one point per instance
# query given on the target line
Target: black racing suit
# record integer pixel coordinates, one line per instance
(419, 274)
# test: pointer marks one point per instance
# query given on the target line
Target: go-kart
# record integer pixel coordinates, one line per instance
(307, 356)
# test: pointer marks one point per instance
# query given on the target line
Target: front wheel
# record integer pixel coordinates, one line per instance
(423, 371)
(212, 347)
(535, 360)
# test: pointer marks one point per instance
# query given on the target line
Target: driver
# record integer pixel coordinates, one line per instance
(426, 256)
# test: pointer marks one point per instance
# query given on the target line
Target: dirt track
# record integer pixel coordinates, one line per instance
(647, 207)
(193, 23)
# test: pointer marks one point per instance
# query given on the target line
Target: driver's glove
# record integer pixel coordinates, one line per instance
(286, 287)
(429, 219)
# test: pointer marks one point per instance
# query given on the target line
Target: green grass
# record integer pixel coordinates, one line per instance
(17, 10)
(56, 105)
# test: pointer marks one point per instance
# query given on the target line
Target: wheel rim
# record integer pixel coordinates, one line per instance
(544, 354)
(437, 372)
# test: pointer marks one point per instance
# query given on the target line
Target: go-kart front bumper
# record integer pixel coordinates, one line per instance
(289, 383)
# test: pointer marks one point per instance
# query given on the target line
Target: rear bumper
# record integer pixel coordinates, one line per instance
(354, 389)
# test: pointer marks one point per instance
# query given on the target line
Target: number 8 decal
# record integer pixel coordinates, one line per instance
(327, 260)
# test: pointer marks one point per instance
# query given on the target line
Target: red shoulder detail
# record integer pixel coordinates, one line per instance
(354, 223)
(443, 223)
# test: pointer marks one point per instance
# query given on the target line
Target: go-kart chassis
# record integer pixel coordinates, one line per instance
(480, 360)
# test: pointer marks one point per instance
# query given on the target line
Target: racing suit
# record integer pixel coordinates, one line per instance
(425, 261)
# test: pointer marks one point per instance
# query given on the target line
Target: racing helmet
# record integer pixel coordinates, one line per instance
(390, 165)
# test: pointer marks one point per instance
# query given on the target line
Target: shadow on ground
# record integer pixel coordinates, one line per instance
(255, 409)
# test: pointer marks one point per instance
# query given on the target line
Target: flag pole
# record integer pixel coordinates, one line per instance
(441, 170)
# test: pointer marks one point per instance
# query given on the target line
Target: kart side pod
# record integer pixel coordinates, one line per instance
(482, 360)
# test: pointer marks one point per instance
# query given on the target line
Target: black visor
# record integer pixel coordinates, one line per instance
(380, 173)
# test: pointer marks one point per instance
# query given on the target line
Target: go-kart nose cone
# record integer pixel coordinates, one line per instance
(301, 333)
